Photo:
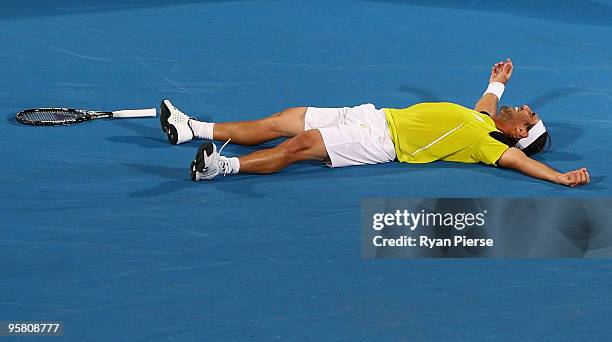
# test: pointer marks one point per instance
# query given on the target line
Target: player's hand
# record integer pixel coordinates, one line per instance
(574, 178)
(501, 72)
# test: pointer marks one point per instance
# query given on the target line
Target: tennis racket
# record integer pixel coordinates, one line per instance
(67, 116)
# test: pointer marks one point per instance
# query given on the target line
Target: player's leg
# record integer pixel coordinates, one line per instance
(307, 145)
(181, 128)
(285, 124)
(304, 146)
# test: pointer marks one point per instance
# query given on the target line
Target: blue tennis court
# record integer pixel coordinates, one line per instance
(103, 229)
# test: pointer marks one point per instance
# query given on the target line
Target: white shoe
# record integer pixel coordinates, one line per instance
(209, 163)
(174, 123)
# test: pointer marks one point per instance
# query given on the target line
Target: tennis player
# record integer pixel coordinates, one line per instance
(422, 133)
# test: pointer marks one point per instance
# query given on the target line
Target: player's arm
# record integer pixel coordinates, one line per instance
(500, 75)
(515, 159)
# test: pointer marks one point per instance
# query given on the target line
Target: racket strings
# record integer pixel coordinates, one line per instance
(50, 115)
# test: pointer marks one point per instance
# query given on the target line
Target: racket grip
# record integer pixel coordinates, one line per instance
(135, 113)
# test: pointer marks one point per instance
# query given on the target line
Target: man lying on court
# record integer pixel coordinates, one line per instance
(422, 133)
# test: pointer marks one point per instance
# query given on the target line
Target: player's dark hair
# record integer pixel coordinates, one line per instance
(542, 142)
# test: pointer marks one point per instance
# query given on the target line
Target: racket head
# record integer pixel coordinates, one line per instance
(56, 116)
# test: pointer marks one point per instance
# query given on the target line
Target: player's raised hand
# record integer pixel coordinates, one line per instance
(574, 178)
(501, 72)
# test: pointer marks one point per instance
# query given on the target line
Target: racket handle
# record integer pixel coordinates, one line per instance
(135, 113)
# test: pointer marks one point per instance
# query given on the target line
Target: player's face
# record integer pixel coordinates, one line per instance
(522, 119)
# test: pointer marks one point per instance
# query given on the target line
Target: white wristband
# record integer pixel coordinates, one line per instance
(495, 88)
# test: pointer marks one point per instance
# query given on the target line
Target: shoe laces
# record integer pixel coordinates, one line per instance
(222, 162)
(224, 165)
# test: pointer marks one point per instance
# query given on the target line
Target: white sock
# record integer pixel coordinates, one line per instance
(234, 164)
(201, 129)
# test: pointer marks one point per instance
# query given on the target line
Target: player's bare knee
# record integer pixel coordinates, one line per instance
(273, 125)
(304, 146)
(287, 123)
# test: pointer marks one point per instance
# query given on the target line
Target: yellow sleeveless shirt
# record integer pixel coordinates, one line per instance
(428, 132)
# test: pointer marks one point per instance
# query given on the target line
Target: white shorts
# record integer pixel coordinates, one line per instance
(352, 136)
